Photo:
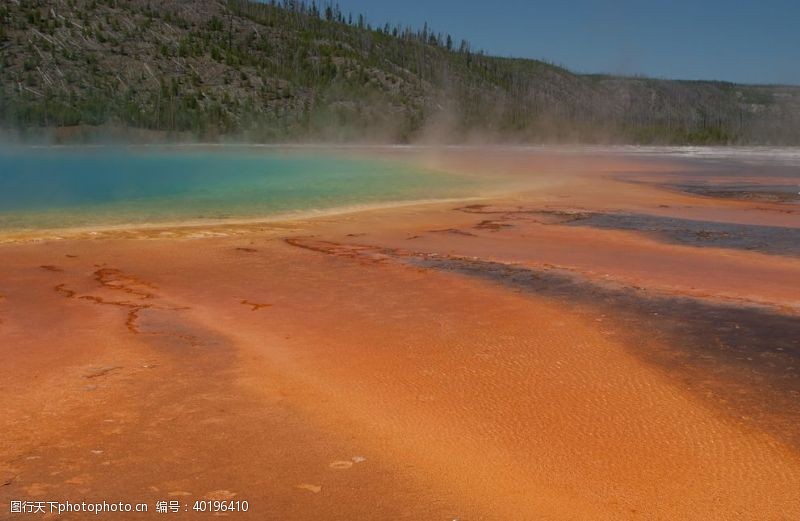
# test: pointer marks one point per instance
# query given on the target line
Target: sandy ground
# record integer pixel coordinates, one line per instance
(501, 359)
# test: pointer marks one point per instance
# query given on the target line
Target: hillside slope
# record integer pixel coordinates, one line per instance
(214, 68)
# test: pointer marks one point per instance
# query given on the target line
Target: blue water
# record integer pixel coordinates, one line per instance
(57, 188)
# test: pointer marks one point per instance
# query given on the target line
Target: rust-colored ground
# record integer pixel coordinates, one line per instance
(501, 359)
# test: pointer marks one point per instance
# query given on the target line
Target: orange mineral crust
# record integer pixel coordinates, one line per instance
(587, 343)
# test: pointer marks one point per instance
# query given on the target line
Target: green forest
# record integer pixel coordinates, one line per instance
(294, 71)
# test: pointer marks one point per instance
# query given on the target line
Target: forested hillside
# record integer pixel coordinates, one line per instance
(213, 69)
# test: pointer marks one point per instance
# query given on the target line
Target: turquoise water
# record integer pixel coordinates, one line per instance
(58, 188)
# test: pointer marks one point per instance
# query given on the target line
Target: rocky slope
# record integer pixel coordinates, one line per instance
(210, 69)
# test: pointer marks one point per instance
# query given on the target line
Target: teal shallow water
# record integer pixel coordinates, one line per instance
(45, 188)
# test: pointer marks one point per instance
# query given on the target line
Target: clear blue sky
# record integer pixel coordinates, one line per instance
(747, 41)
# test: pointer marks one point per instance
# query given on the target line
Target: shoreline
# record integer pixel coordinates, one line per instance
(693, 151)
(28, 235)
